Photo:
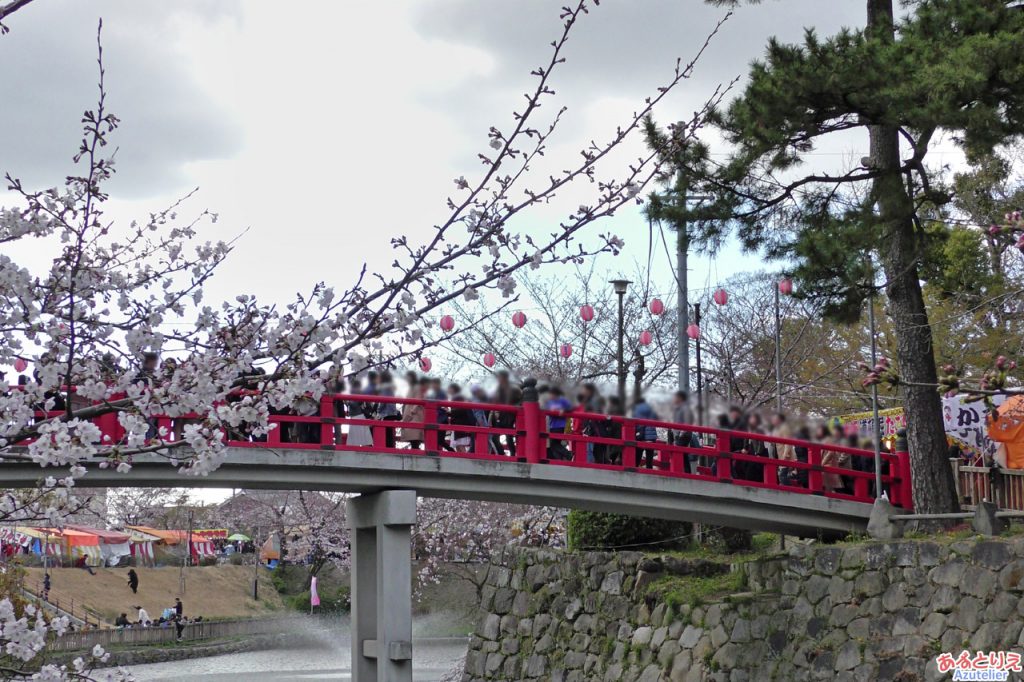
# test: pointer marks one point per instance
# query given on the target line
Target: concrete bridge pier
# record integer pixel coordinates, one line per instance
(381, 525)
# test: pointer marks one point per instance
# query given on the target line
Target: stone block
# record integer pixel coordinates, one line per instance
(949, 573)
(869, 584)
(945, 599)
(968, 614)
(815, 588)
(536, 666)
(741, 631)
(642, 636)
(490, 626)
(727, 656)
(667, 653)
(612, 583)
(978, 582)
(852, 557)
(848, 657)
(991, 554)
(934, 625)
(719, 637)
(573, 609)
(906, 622)
(894, 598)
(658, 637)
(691, 635)
(840, 591)
(827, 560)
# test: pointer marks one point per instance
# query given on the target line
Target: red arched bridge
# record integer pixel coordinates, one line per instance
(591, 461)
(596, 462)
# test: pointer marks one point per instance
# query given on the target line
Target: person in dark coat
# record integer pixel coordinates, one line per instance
(133, 580)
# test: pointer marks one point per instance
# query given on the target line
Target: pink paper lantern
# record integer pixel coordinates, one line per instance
(20, 365)
(565, 350)
(489, 359)
(786, 286)
(693, 331)
(645, 338)
(447, 323)
(657, 307)
(587, 313)
(720, 297)
(425, 364)
(519, 319)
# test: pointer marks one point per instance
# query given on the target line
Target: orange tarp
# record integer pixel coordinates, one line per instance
(77, 538)
(1007, 427)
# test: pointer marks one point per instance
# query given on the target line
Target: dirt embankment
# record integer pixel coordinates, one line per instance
(212, 592)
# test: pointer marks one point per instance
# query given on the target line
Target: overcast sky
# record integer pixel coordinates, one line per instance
(320, 128)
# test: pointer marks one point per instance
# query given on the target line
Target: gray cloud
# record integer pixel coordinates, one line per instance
(623, 47)
(49, 79)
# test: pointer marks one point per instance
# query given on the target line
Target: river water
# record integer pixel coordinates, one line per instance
(431, 660)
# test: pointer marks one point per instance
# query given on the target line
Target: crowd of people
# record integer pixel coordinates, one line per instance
(586, 412)
(172, 616)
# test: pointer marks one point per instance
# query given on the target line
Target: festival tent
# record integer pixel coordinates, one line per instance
(1007, 428)
(113, 544)
(79, 543)
(43, 536)
(168, 537)
(271, 550)
(141, 545)
(211, 533)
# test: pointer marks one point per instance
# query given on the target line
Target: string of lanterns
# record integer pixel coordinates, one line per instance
(587, 314)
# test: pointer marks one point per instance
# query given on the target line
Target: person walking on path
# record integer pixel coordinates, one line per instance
(46, 587)
(133, 580)
(179, 609)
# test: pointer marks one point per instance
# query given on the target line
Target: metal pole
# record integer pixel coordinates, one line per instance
(876, 436)
(622, 363)
(683, 359)
(778, 352)
(256, 565)
(700, 387)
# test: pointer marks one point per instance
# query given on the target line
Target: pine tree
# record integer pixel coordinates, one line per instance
(952, 67)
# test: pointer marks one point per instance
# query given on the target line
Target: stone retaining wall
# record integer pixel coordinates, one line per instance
(870, 611)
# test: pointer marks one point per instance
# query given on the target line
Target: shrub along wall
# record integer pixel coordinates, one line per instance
(870, 611)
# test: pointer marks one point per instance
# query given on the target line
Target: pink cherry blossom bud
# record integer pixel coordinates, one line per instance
(994, 229)
(949, 369)
(1012, 366)
(1001, 362)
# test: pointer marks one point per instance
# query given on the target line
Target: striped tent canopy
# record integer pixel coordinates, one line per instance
(168, 537)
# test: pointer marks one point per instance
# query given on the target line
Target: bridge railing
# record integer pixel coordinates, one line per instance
(454, 429)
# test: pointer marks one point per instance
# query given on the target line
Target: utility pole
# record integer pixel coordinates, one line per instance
(700, 387)
(682, 252)
(875, 426)
(778, 352)
(256, 565)
(682, 270)
(187, 556)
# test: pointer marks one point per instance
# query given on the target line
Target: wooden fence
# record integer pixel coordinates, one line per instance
(1004, 487)
(131, 636)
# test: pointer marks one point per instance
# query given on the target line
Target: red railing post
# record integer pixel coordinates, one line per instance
(430, 412)
(532, 423)
(327, 420)
(815, 479)
(723, 460)
(903, 483)
(629, 444)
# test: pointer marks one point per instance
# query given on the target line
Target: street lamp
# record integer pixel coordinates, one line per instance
(620, 286)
